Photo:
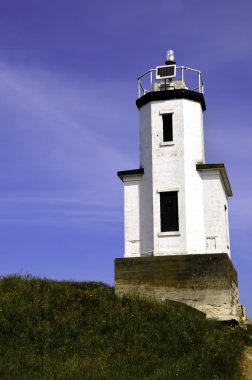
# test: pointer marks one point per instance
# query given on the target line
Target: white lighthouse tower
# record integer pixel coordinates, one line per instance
(176, 205)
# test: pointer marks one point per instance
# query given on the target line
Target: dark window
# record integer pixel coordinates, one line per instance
(167, 127)
(169, 211)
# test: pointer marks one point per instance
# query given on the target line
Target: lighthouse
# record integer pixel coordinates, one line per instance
(176, 229)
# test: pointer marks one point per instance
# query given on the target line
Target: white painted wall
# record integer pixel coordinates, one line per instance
(216, 217)
(131, 216)
(174, 168)
(168, 174)
(193, 146)
(146, 197)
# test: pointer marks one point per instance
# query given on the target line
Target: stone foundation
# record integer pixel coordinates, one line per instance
(207, 282)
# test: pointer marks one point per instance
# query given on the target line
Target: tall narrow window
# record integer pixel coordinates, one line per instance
(169, 211)
(167, 127)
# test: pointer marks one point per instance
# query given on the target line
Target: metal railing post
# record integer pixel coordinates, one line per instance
(139, 90)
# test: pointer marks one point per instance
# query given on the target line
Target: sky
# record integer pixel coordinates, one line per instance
(69, 122)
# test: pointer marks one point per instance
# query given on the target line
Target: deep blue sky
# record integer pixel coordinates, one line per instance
(69, 122)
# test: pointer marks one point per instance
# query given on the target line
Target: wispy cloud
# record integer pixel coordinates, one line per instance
(60, 148)
(41, 210)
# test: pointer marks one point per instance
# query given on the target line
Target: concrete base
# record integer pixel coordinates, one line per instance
(207, 282)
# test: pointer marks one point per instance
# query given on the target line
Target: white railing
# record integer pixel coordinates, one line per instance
(144, 81)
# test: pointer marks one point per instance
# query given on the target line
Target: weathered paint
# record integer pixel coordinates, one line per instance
(205, 282)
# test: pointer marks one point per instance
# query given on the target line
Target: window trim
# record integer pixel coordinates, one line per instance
(167, 189)
(169, 233)
(167, 143)
(162, 112)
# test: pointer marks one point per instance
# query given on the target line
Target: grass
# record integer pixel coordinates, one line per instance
(81, 330)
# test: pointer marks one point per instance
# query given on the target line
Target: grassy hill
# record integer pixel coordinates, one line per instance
(69, 330)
